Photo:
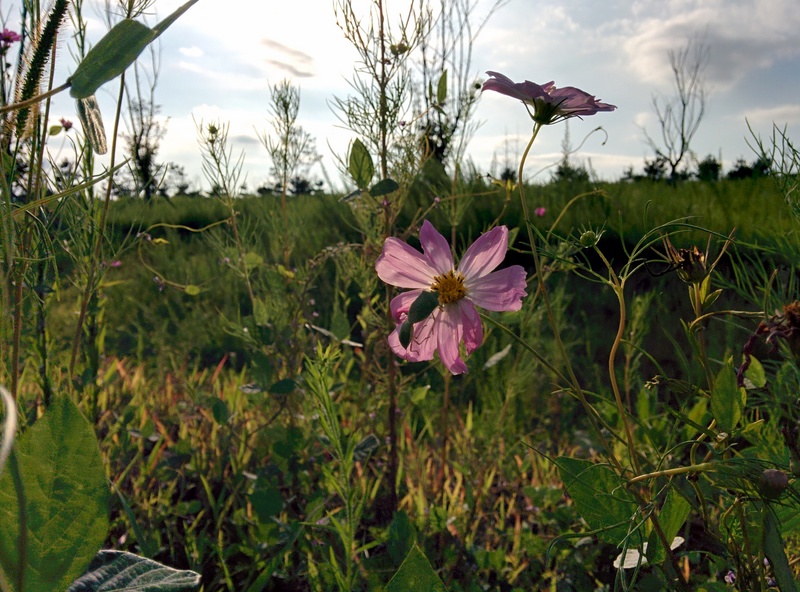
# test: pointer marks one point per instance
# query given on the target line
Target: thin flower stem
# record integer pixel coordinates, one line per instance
(573, 380)
(619, 288)
(98, 236)
(36, 99)
(699, 468)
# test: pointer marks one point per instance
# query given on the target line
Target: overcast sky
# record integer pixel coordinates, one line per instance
(219, 58)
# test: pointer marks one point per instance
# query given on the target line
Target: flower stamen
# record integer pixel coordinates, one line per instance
(450, 287)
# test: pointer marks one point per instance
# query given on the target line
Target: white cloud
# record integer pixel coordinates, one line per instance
(780, 115)
(192, 52)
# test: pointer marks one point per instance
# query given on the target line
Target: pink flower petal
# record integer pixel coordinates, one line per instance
(436, 248)
(423, 342)
(550, 104)
(501, 290)
(403, 266)
(473, 328)
(401, 304)
(485, 254)
(448, 329)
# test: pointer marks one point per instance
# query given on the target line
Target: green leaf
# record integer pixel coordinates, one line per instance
(441, 88)
(673, 515)
(53, 502)
(164, 25)
(260, 314)
(600, 496)
(774, 551)
(415, 575)
(220, 411)
(361, 167)
(118, 571)
(192, 290)
(755, 373)
(402, 537)
(283, 387)
(384, 187)
(267, 503)
(115, 52)
(727, 399)
(253, 260)
(112, 55)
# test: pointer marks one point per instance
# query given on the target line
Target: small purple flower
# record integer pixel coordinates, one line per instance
(159, 282)
(540, 211)
(550, 104)
(115, 263)
(66, 124)
(7, 37)
(730, 577)
(436, 201)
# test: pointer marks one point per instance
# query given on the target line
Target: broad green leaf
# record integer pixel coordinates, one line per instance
(418, 394)
(118, 571)
(360, 167)
(115, 52)
(266, 503)
(92, 123)
(755, 373)
(774, 551)
(600, 496)
(260, 314)
(402, 537)
(112, 55)
(441, 88)
(415, 575)
(384, 187)
(253, 260)
(220, 411)
(727, 399)
(673, 515)
(54, 526)
(283, 387)
(164, 25)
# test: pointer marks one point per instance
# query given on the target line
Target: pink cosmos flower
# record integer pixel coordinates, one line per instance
(459, 289)
(550, 104)
(7, 37)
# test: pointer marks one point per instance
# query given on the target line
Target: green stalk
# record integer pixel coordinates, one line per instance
(573, 379)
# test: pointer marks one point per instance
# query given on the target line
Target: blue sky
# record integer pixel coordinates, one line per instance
(218, 59)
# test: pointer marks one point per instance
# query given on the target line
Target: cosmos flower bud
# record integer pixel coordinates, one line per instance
(772, 483)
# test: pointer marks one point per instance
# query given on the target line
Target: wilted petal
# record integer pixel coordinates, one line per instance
(403, 266)
(501, 290)
(485, 254)
(472, 326)
(436, 248)
(524, 91)
(448, 336)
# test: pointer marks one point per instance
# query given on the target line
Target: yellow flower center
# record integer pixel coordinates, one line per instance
(450, 287)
